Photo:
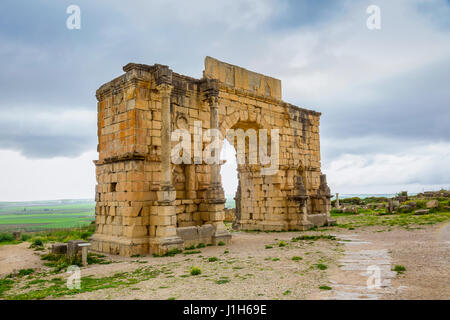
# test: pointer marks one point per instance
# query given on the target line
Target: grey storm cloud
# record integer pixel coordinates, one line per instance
(50, 68)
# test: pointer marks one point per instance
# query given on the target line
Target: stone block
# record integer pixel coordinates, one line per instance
(73, 249)
(422, 212)
(432, 204)
(59, 248)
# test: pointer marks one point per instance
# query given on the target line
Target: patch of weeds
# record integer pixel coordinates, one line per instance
(201, 245)
(282, 244)
(237, 268)
(169, 253)
(222, 281)
(268, 246)
(325, 288)
(195, 271)
(213, 259)
(60, 261)
(25, 272)
(276, 259)
(136, 256)
(5, 285)
(287, 292)
(321, 266)
(399, 268)
(297, 258)
(190, 247)
(192, 252)
(314, 237)
(221, 243)
(226, 251)
(171, 298)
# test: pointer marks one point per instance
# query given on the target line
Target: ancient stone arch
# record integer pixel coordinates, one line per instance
(147, 204)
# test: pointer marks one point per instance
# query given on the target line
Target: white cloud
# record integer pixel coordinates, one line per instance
(46, 179)
(415, 168)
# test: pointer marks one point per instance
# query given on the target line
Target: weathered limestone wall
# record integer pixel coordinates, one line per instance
(142, 198)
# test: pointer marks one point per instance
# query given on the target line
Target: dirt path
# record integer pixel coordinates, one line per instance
(16, 257)
(371, 255)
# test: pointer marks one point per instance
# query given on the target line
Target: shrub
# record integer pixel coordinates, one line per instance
(195, 271)
(201, 245)
(221, 243)
(25, 237)
(6, 237)
(268, 246)
(399, 268)
(212, 259)
(37, 243)
(296, 258)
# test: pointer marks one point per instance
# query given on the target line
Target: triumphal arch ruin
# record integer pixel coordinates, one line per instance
(146, 203)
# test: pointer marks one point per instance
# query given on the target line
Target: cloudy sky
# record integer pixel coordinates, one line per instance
(384, 94)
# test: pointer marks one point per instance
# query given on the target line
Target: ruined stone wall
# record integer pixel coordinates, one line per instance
(138, 211)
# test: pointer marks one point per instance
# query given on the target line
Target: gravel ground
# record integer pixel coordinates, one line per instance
(250, 271)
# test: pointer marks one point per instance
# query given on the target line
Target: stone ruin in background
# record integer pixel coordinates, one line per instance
(146, 204)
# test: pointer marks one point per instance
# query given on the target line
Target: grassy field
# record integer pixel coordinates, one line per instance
(44, 215)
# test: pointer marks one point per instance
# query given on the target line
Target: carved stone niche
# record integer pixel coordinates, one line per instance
(299, 192)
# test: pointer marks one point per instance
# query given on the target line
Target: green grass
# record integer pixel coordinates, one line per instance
(213, 259)
(296, 258)
(37, 216)
(25, 272)
(57, 287)
(374, 218)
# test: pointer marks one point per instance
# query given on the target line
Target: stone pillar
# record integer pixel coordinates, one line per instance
(215, 194)
(166, 172)
(214, 124)
(337, 205)
(163, 213)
